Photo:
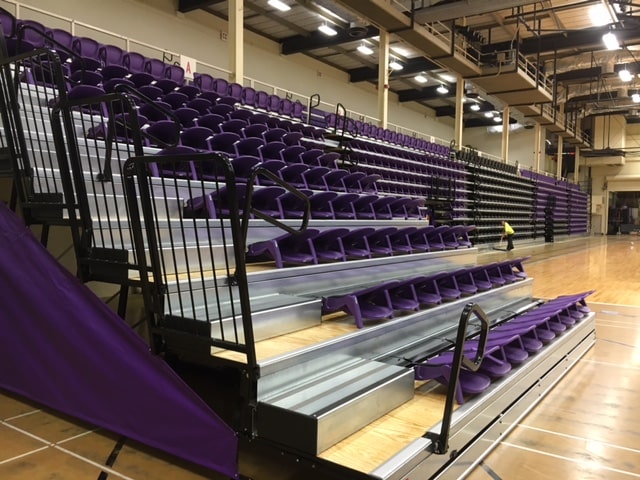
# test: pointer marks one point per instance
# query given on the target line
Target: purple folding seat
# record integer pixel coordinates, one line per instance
(380, 243)
(286, 107)
(248, 146)
(328, 159)
(291, 154)
(222, 109)
(86, 77)
(204, 81)
(481, 278)
(243, 167)
(310, 156)
(293, 174)
(202, 105)
(190, 91)
(447, 286)
(465, 282)
(271, 151)
(186, 116)
(234, 90)
(363, 207)
(196, 137)
(220, 86)
(272, 166)
(254, 130)
(327, 246)
(313, 178)
(450, 237)
(155, 68)
(439, 368)
(211, 96)
(224, 142)
(262, 118)
(241, 113)
(155, 111)
(351, 182)
(262, 100)
(495, 275)
(161, 133)
(297, 110)
(30, 34)
(88, 51)
(264, 199)
(371, 303)
(418, 239)
(234, 125)
(291, 205)
(175, 73)
(175, 99)
(368, 183)
(507, 273)
(333, 180)
(289, 249)
(293, 138)
(401, 240)
(111, 55)
(343, 206)
(381, 207)
(355, 243)
(150, 91)
(60, 40)
(166, 84)
(181, 169)
(8, 23)
(274, 134)
(426, 290)
(313, 132)
(273, 103)
(403, 297)
(434, 237)
(248, 96)
(211, 121)
(321, 205)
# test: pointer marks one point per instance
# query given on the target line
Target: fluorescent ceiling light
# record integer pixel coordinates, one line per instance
(442, 89)
(395, 65)
(635, 97)
(447, 77)
(497, 118)
(421, 78)
(364, 49)
(475, 107)
(327, 30)
(488, 114)
(625, 75)
(611, 41)
(279, 5)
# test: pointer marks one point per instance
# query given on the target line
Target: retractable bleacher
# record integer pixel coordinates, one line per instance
(318, 393)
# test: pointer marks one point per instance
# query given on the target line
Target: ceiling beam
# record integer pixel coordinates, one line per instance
(579, 74)
(185, 6)
(316, 40)
(412, 66)
(452, 10)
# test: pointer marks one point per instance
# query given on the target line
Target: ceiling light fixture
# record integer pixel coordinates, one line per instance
(279, 5)
(625, 75)
(488, 114)
(420, 78)
(475, 107)
(442, 89)
(395, 65)
(327, 30)
(635, 97)
(497, 118)
(611, 41)
(364, 49)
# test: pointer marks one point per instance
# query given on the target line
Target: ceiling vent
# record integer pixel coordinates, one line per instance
(357, 30)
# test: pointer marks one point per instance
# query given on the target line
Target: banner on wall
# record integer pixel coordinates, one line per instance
(189, 66)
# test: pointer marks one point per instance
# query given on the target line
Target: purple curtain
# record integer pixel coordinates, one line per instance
(61, 346)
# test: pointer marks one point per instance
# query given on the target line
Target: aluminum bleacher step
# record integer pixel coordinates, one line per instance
(316, 413)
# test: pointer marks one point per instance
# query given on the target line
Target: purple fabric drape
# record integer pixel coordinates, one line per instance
(61, 346)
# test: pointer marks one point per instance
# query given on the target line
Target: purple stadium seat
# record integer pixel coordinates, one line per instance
(243, 166)
(204, 81)
(447, 286)
(371, 303)
(248, 96)
(234, 90)
(380, 243)
(155, 68)
(162, 133)
(189, 90)
(175, 99)
(224, 142)
(248, 146)
(196, 137)
(288, 249)
(355, 243)
(274, 134)
(273, 103)
(202, 105)
(291, 154)
(210, 120)
(186, 116)
(234, 125)
(271, 151)
(221, 86)
(313, 177)
(182, 169)
(343, 206)
(241, 113)
(175, 73)
(321, 205)
(59, 38)
(327, 246)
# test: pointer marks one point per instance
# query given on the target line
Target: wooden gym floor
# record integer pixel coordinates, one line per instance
(588, 427)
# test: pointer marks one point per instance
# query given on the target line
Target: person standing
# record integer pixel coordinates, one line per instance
(507, 232)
